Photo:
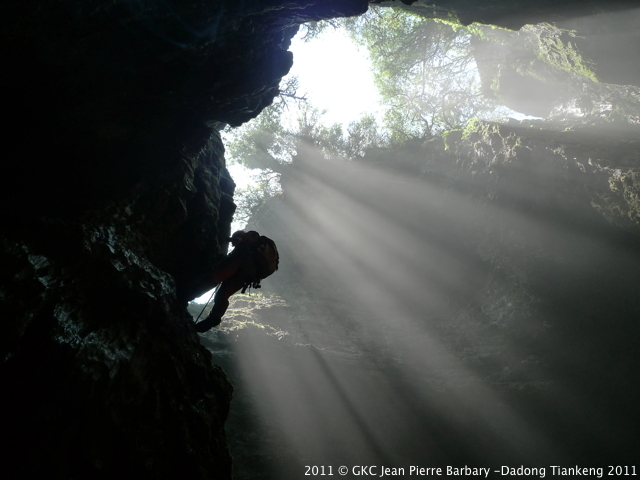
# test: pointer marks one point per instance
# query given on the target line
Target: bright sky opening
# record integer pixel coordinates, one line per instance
(335, 75)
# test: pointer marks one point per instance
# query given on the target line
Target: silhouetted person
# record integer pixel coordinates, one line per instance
(253, 258)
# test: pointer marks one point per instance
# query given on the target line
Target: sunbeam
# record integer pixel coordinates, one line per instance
(382, 244)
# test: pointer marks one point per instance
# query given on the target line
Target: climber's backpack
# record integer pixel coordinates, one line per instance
(266, 259)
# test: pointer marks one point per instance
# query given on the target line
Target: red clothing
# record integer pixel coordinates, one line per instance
(235, 271)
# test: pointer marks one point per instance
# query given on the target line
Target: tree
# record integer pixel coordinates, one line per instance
(427, 77)
(264, 142)
(269, 141)
(424, 69)
(249, 200)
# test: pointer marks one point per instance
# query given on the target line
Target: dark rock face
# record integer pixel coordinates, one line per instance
(103, 375)
(115, 203)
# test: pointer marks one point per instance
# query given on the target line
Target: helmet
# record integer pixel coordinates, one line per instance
(236, 238)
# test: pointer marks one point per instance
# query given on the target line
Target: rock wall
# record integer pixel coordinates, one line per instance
(571, 65)
(511, 15)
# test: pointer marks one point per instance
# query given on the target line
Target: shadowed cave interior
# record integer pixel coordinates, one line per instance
(467, 299)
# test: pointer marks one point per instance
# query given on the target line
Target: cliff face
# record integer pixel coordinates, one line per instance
(102, 374)
(569, 66)
(115, 203)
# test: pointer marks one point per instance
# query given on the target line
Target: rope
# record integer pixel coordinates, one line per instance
(205, 305)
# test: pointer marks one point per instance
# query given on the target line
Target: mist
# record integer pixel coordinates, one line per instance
(428, 326)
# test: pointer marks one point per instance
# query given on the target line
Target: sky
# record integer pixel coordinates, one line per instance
(335, 75)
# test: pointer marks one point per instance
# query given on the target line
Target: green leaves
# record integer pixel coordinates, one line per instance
(428, 80)
(251, 199)
(425, 72)
(262, 143)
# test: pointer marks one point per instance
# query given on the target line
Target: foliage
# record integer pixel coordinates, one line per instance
(313, 30)
(249, 200)
(263, 142)
(268, 143)
(557, 49)
(333, 141)
(245, 311)
(424, 69)
(427, 78)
